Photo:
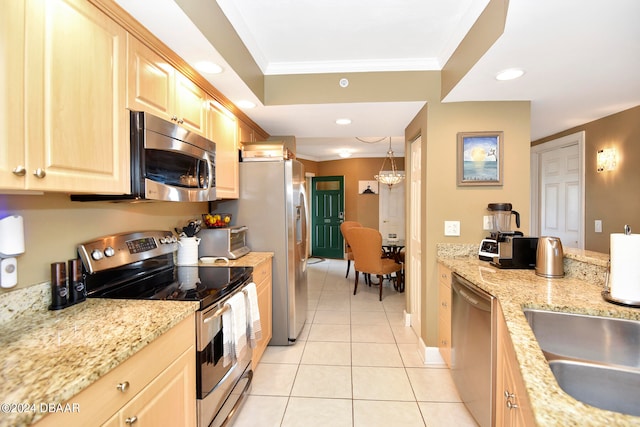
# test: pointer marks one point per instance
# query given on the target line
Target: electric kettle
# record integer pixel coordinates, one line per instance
(549, 257)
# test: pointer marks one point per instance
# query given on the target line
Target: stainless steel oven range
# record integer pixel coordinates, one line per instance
(141, 265)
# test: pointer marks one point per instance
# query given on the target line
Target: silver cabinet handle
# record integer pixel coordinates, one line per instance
(39, 173)
(181, 121)
(131, 420)
(174, 118)
(19, 170)
(123, 386)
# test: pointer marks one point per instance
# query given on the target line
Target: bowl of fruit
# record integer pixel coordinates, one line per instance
(216, 220)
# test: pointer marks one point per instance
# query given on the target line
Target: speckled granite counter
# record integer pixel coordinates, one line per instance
(50, 356)
(517, 289)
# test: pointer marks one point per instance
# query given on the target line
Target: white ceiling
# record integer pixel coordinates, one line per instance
(581, 59)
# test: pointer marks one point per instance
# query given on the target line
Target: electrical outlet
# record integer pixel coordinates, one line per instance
(452, 228)
(487, 222)
(598, 226)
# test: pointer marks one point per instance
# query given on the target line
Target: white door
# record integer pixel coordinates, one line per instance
(560, 191)
(415, 252)
(391, 211)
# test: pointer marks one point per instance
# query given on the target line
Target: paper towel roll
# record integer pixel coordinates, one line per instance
(11, 236)
(624, 278)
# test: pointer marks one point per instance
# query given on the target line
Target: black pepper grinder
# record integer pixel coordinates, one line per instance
(77, 292)
(59, 292)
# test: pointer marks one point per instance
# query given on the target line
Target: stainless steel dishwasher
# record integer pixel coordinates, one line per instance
(473, 348)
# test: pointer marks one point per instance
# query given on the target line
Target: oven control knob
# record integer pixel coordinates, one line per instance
(96, 254)
(109, 252)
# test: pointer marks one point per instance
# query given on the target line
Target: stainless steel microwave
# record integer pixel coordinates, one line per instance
(168, 162)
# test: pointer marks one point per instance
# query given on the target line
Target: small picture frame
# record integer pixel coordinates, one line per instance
(367, 187)
(479, 160)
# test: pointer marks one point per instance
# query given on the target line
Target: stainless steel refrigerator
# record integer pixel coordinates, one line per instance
(273, 205)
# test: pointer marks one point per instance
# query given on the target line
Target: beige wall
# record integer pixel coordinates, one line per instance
(358, 207)
(610, 196)
(444, 200)
(53, 226)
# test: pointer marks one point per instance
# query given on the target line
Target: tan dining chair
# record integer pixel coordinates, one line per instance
(343, 229)
(366, 244)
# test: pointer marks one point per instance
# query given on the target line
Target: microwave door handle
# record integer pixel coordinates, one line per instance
(210, 172)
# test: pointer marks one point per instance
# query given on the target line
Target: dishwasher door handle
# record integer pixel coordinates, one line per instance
(470, 293)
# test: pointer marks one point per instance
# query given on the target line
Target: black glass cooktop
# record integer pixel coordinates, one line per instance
(159, 279)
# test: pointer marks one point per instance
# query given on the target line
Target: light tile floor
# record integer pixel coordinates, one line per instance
(354, 365)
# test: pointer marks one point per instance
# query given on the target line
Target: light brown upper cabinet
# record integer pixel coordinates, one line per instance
(246, 133)
(72, 134)
(12, 149)
(222, 128)
(156, 87)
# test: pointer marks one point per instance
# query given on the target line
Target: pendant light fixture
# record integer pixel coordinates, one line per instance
(392, 177)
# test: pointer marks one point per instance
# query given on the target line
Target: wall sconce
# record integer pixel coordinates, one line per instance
(607, 159)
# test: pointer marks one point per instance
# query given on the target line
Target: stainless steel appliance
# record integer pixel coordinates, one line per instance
(549, 257)
(228, 242)
(273, 205)
(141, 266)
(168, 162)
(473, 348)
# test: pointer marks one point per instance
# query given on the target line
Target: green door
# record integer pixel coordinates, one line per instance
(327, 196)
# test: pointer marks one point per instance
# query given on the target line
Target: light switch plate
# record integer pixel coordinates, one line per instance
(598, 226)
(487, 222)
(452, 228)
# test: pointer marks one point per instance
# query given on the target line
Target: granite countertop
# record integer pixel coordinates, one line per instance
(50, 356)
(518, 289)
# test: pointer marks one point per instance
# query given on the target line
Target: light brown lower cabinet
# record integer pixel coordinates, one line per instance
(512, 400)
(155, 387)
(262, 275)
(444, 313)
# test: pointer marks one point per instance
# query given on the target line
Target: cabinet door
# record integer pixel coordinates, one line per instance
(444, 313)
(246, 133)
(190, 104)
(169, 400)
(12, 150)
(222, 129)
(512, 403)
(77, 125)
(150, 80)
(262, 274)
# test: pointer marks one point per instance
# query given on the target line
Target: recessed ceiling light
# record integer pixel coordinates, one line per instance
(208, 67)
(510, 74)
(343, 121)
(245, 104)
(345, 153)
(343, 82)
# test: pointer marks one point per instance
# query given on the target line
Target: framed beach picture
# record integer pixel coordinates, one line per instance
(480, 158)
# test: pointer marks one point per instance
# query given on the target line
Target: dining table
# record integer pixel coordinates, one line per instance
(392, 248)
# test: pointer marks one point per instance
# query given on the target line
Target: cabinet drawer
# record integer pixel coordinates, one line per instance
(101, 400)
(444, 275)
(262, 271)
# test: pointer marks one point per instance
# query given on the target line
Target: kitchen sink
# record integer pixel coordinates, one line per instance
(594, 359)
(604, 387)
(591, 338)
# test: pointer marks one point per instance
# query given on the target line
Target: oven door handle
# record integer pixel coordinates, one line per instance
(217, 313)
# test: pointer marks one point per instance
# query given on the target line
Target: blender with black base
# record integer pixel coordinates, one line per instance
(498, 244)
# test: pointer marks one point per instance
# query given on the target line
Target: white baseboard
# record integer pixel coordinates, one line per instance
(407, 318)
(430, 355)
